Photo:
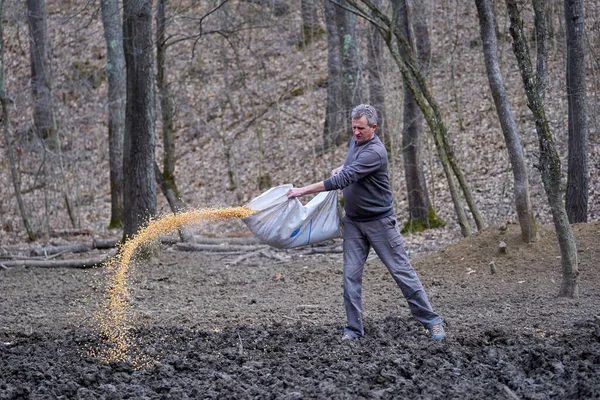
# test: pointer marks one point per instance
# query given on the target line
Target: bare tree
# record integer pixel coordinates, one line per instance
(166, 107)
(417, 84)
(344, 73)
(376, 85)
(351, 70)
(578, 170)
(333, 131)
(411, 20)
(115, 72)
(43, 113)
(4, 100)
(549, 162)
(139, 145)
(507, 121)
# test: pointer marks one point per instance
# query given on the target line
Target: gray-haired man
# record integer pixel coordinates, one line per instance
(370, 222)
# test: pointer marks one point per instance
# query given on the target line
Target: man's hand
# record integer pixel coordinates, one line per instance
(337, 170)
(295, 192)
(310, 189)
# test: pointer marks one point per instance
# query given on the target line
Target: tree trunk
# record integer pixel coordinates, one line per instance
(115, 73)
(166, 102)
(507, 121)
(334, 118)
(4, 100)
(43, 114)
(419, 205)
(376, 84)
(578, 170)
(351, 70)
(139, 145)
(311, 27)
(549, 163)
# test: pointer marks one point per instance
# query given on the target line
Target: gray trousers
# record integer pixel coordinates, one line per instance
(384, 236)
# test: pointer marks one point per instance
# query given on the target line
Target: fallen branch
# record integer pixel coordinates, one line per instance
(83, 263)
(69, 248)
(214, 248)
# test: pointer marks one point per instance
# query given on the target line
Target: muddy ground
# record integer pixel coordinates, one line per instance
(270, 328)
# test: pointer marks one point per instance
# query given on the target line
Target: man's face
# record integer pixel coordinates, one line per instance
(362, 131)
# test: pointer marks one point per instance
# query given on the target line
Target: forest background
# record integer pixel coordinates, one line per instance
(250, 98)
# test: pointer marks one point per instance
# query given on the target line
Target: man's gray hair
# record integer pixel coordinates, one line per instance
(365, 110)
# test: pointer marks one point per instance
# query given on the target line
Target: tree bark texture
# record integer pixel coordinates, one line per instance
(43, 113)
(139, 145)
(116, 79)
(4, 100)
(376, 92)
(507, 121)
(334, 118)
(549, 163)
(412, 134)
(578, 170)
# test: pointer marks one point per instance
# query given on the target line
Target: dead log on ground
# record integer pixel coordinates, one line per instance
(82, 264)
(216, 248)
(69, 248)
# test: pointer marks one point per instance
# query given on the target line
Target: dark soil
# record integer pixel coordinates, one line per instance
(270, 329)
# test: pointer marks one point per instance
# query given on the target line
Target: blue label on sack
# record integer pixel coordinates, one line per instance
(296, 232)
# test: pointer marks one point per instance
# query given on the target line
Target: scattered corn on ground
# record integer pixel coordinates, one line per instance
(114, 316)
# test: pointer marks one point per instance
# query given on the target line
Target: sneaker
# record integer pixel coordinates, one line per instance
(437, 332)
(348, 337)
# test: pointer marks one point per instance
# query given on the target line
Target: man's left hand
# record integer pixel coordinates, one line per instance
(294, 192)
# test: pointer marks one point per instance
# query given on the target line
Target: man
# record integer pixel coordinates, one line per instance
(370, 222)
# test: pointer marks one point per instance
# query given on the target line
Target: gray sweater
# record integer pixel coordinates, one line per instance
(365, 182)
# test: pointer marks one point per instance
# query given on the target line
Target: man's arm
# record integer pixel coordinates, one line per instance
(310, 189)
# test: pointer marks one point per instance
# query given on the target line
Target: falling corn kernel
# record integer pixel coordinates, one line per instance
(114, 319)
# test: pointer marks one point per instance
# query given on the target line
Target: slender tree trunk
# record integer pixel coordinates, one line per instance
(166, 102)
(43, 113)
(351, 71)
(578, 170)
(334, 118)
(376, 92)
(507, 121)
(549, 163)
(115, 72)
(311, 27)
(139, 145)
(4, 100)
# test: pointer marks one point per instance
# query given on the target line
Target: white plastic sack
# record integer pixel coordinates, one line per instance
(285, 223)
